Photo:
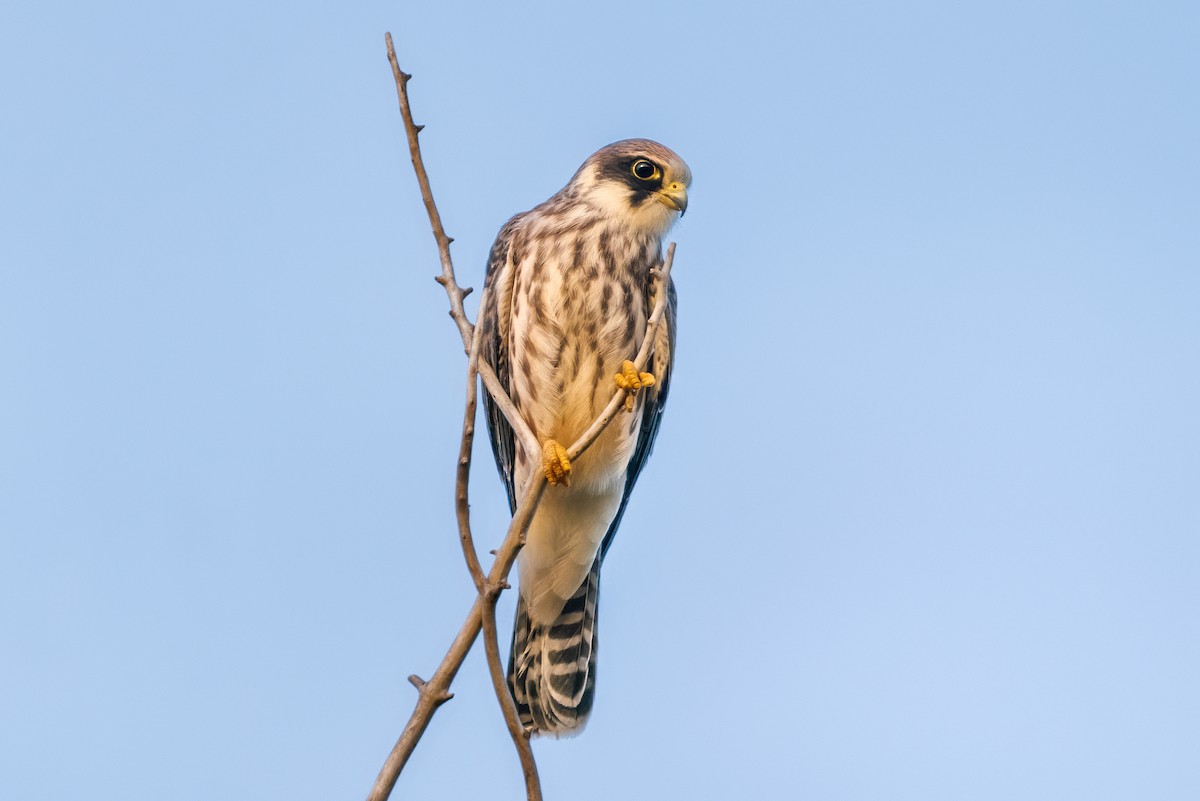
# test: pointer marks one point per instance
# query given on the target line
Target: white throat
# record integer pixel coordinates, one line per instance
(614, 200)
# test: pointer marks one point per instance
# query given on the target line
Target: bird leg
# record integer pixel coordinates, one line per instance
(630, 380)
(555, 463)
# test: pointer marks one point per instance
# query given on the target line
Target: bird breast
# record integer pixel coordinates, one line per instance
(578, 310)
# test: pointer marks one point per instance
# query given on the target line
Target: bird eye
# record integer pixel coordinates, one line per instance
(644, 170)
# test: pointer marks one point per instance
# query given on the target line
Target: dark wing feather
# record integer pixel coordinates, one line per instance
(661, 365)
(494, 350)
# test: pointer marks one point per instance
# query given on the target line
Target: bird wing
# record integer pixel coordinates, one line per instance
(495, 317)
(662, 359)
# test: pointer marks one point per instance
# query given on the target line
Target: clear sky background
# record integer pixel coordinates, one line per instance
(923, 519)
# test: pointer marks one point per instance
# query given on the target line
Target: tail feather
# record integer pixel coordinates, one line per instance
(552, 669)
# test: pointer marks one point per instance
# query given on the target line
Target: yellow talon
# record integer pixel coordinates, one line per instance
(555, 463)
(631, 380)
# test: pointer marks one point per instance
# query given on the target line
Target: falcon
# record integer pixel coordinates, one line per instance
(570, 293)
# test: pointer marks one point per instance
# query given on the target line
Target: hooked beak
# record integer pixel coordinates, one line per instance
(674, 196)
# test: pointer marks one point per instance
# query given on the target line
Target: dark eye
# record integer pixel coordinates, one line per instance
(644, 170)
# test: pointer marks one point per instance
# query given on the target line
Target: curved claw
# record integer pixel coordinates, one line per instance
(555, 463)
(630, 380)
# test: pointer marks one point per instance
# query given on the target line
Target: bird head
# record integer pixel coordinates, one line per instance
(637, 181)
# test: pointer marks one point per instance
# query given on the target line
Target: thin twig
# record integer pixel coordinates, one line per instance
(462, 503)
(411, 129)
(500, 397)
(435, 692)
(518, 732)
(490, 593)
(455, 293)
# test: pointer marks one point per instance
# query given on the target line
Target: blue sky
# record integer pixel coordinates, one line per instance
(922, 522)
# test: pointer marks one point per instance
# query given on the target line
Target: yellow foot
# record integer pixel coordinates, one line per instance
(631, 380)
(555, 463)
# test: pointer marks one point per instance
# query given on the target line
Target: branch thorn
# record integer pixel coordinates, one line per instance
(416, 681)
(467, 290)
(418, 128)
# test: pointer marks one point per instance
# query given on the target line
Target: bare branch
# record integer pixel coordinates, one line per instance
(520, 736)
(411, 129)
(454, 292)
(500, 397)
(434, 692)
(489, 592)
(462, 503)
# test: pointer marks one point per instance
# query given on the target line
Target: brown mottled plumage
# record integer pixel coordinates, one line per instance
(569, 296)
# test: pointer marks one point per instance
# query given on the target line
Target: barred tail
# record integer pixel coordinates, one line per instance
(552, 669)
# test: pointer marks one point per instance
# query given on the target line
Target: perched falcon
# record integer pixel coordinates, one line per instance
(570, 291)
